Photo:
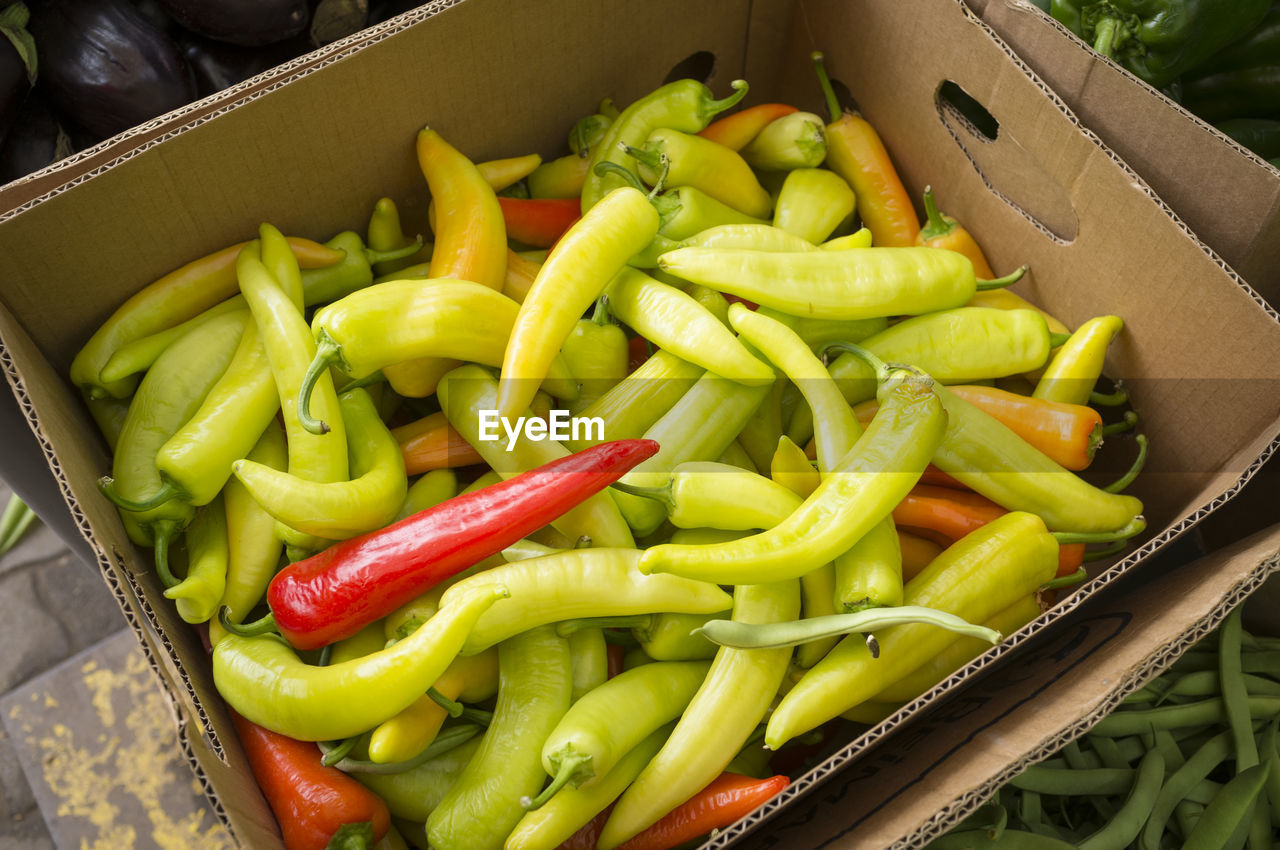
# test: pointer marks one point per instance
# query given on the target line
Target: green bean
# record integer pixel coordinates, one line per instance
(1176, 787)
(1272, 754)
(1186, 816)
(1108, 751)
(1172, 716)
(1127, 823)
(448, 739)
(1204, 683)
(1266, 662)
(1229, 815)
(1235, 697)
(1164, 740)
(1010, 839)
(1146, 693)
(1101, 780)
(1204, 792)
(780, 635)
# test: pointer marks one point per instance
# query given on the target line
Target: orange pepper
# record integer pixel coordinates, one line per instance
(520, 276)
(432, 443)
(856, 153)
(917, 553)
(737, 130)
(954, 513)
(943, 231)
(1068, 433)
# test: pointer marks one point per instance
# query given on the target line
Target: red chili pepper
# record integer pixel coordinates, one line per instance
(954, 513)
(311, 802)
(639, 350)
(336, 592)
(729, 797)
(588, 836)
(617, 658)
(737, 130)
(539, 222)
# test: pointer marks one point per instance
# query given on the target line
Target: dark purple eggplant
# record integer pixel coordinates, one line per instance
(35, 140)
(155, 12)
(218, 65)
(105, 67)
(249, 23)
(17, 63)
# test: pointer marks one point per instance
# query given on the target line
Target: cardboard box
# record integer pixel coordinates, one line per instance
(956, 755)
(311, 151)
(1227, 195)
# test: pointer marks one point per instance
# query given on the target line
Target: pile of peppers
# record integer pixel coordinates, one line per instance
(1218, 58)
(836, 460)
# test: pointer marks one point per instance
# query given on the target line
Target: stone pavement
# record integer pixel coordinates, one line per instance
(88, 753)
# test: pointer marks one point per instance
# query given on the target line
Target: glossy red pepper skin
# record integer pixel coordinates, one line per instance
(336, 592)
(730, 796)
(539, 222)
(311, 802)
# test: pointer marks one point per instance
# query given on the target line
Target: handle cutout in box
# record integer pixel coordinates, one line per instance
(696, 66)
(1007, 168)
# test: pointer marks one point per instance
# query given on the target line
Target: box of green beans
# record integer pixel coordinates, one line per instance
(1154, 710)
(313, 147)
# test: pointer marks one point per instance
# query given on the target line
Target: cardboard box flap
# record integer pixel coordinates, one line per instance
(1157, 282)
(957, 755)
(1199, 171)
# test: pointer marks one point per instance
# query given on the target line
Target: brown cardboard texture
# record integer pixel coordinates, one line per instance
(1228, 195)
(313, 151)
(956, 755)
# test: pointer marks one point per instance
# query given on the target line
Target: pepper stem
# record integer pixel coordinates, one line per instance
(1057, 340)
(1107, 551)
(163, 532)
(339, 752)
(1095, 441)
(266, 625)
(392, 254)
(600, 315)
(475, 715)
(1135, 527)
(936, 225)
(1104, 36)
(1127, 424)
(879, 366)
(1066, 581)
(644, 156)
(328, 352)
(712, 108)
(167, 491)
(583, 542)
(568, 771)
(820, 66)
(1139, 462)
(606, 167)
(452, 706)
(1002, 282)
(658, 494)
(1112, 399)
(632, 621)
